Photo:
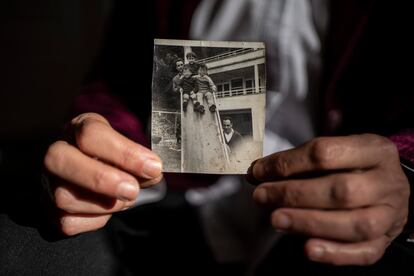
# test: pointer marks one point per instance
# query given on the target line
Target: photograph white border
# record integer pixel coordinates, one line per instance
(203, 43)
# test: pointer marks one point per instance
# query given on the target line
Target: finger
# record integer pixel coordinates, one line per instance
(322, 154)
(336, 253)
(146, 183)
(341, 190)
(70, 164)
(75, 224)
(356, 225)
(73, 200)
(96, 138)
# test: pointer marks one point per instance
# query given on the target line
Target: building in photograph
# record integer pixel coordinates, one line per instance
(240, 78)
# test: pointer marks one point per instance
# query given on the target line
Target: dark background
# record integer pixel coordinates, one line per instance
(46, 50)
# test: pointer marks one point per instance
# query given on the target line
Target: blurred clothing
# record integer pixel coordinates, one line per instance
(293, 33)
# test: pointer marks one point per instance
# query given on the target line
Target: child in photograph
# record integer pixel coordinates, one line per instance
(205, 88)
(192, 64)
(184, 83)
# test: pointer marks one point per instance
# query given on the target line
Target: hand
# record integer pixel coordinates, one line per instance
(348, 194)
(100, 173)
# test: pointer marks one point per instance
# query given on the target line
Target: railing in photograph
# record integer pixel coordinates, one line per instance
(226, 55)
(240, 92)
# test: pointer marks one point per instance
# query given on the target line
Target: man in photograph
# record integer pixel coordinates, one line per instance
(231, 136)
(179, 67)
(176, 82)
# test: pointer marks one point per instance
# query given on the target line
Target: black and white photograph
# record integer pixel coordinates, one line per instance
(208, 105)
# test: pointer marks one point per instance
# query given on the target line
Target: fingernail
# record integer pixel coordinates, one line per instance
(282, 221)
(316, 252)
(151, 169)
(127, 191)
(260, 195)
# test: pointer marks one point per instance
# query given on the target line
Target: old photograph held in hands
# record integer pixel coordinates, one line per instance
(208, 105)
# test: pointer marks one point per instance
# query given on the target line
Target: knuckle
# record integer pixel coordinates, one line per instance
(85, 133)
(397, 228)
(368, 228)
(55, 156)
(105, 181)
(399, 225)
(404, 194)
(292, 195)
(321, 150)
(129, 157)
(389, 147)
(311, 227)
(280, 165)
(384, 144)
(101, 180)
(343, 192)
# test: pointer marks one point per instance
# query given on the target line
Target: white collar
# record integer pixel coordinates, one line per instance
(228, 136)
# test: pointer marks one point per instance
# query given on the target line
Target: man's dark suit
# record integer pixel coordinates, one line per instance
(234, 140)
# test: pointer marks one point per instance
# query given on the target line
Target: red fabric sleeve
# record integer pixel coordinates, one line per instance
(96, 98)
(405, 144)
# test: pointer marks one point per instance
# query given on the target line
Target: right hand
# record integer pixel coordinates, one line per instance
(100, 173)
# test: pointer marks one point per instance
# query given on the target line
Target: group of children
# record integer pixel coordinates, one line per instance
(194, 84)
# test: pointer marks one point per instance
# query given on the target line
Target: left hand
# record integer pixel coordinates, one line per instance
(96, 173)
(348, 194)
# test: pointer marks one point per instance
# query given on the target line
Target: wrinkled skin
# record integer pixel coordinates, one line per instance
(348, 194)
